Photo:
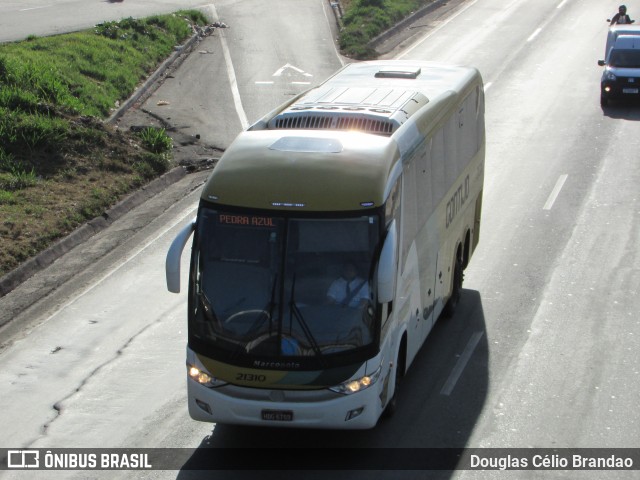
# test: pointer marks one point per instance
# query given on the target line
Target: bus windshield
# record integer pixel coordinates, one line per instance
(274, 286)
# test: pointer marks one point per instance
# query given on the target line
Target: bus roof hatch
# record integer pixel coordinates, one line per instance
(404, 72)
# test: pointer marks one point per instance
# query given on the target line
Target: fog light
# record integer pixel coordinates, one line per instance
(353, 413)
(607, 89)
(204, 406)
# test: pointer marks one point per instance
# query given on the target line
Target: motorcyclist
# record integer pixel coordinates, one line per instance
(621, 17)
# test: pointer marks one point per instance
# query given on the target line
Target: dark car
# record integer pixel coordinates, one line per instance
(621, 76)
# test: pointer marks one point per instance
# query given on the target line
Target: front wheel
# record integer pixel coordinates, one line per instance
(392, 405)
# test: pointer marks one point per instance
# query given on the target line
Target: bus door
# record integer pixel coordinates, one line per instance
(409, 293)
(428, 261)
(443, 278)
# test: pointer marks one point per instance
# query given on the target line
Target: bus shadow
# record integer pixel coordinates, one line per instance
(438, 408)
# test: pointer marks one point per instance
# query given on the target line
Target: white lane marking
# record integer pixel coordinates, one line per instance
(330, 17)
(487, 86)
(461, 364)
(562, 4)
(264, 83)
(555, 192)
(34, 8)
(235, 92)
(534, 34)
(300, 83)
(447, 21)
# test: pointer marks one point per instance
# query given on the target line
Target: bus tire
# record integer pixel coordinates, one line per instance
(456, 289)
(392, 405)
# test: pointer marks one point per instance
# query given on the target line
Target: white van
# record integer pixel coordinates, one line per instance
(621, 76)
(619, 29)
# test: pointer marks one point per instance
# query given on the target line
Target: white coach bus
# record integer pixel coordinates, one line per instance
(329, 238)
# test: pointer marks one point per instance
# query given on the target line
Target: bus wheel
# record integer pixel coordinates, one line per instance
(454, 299)
(392, 406)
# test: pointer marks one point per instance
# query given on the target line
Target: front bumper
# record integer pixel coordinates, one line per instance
(620, 89)
(309, 409)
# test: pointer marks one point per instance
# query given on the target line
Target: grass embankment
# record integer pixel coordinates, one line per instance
(60, 165)
(364, 20)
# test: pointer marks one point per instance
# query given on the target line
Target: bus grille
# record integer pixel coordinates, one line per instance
(335, 122)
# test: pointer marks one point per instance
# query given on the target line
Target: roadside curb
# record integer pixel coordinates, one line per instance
(174, 60)
(45, 258)
(377, 41)
(48, 256)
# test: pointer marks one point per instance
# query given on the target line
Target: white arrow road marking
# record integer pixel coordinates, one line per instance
(288, 65)
(281, 70)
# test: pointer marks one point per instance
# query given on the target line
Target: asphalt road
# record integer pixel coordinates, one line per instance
(543, 349)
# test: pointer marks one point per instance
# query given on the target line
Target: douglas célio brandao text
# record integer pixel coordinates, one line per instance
(550, 462)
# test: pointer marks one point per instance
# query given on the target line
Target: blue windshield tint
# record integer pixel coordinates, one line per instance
(280, 287)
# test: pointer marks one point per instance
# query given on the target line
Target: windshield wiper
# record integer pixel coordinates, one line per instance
(298, 316)
(207, 309)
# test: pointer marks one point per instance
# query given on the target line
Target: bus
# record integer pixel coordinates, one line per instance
(372, 182)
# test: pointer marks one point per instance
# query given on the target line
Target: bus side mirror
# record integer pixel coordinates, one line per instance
(172, 264)
(387, 266)
(601, 63)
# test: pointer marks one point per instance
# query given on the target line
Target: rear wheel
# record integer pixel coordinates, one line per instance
(456, 290)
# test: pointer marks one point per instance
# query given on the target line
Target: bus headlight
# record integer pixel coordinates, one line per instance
(610, 76)
(353, 386)
(203, 377)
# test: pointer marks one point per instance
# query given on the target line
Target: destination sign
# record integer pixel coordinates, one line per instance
(248, 220)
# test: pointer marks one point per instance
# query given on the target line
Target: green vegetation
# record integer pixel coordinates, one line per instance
(156, 140)
(364, 20)
(60, 164)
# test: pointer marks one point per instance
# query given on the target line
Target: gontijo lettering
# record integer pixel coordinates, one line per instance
(457, 200)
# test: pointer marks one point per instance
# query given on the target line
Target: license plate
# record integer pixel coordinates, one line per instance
(629, 90)
(277, 415)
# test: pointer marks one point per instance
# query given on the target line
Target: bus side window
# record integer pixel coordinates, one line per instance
(423, 178)
(468, 132)
(409, 209)
(393, 204)
(437, 167)
(392, 212)
(451, 137)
